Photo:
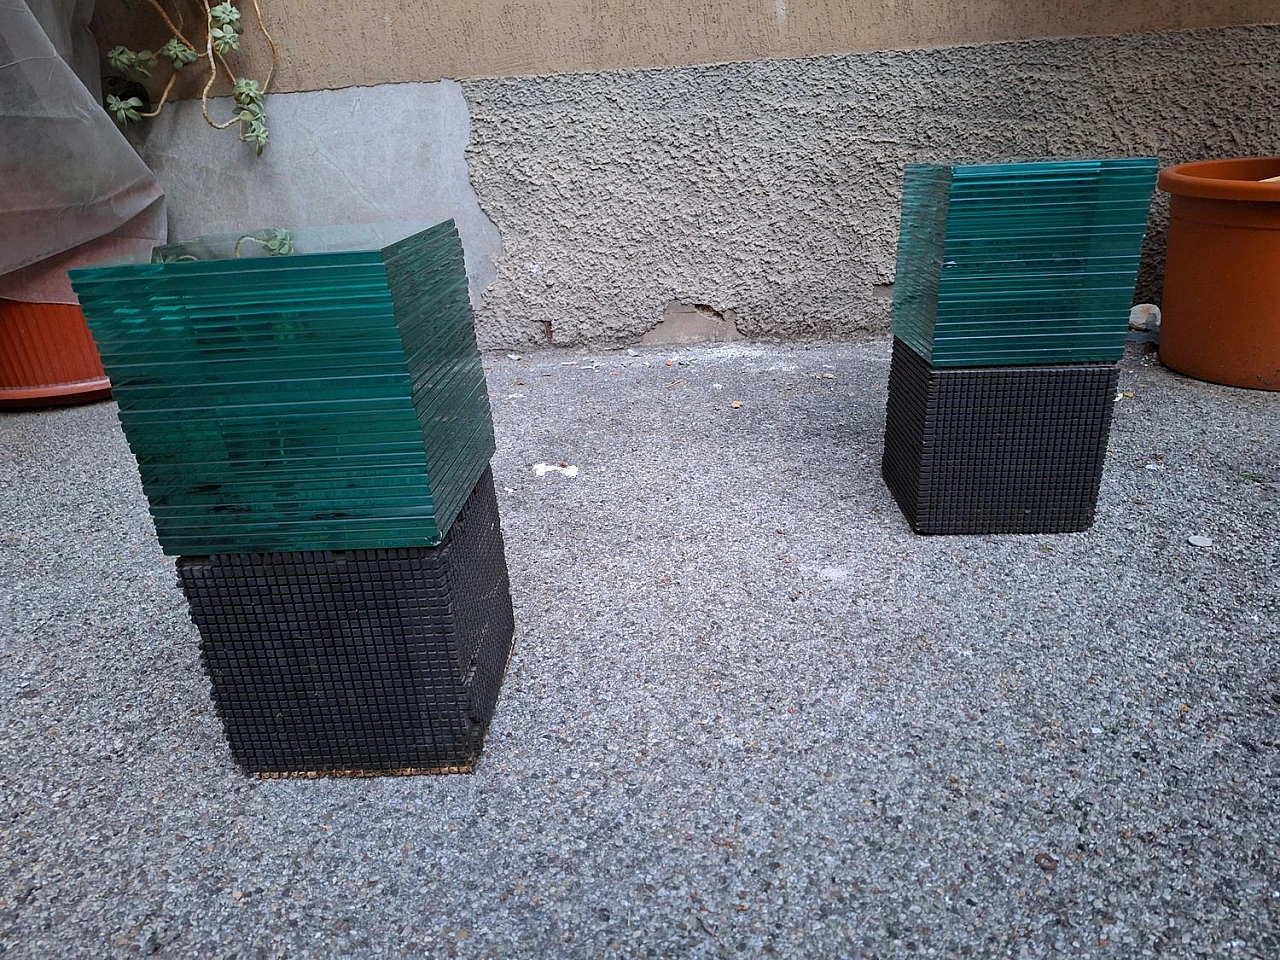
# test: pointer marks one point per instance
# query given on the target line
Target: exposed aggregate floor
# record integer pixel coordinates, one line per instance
(749, 712)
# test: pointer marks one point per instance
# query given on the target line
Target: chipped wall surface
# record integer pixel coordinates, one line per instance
(390, 154)
(331, 45)
(772, 189)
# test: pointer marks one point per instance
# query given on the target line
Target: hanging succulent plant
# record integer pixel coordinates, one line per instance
(275, 242)
(222, 37)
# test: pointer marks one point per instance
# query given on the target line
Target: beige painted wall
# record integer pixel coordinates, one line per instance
(331, 45)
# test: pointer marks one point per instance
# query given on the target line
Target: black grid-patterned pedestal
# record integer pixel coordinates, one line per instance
(996, 449)
(361, 662)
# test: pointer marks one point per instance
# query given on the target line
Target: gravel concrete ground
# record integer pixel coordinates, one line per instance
(749, 712)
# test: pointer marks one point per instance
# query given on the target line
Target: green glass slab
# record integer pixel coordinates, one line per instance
(335, 536)
(166, 473)
(299, 500)
(331, 399)
(343, 432)
(305, 448)
(315, 349)
(1002, 261)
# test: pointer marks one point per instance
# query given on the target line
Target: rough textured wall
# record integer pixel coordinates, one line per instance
(386, 154)
(772, 189)
(330, 45)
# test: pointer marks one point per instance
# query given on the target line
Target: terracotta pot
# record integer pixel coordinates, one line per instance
(47, 357)
(1221, 304)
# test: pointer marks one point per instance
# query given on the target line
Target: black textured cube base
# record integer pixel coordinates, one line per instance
(996, 449)
(362, 662)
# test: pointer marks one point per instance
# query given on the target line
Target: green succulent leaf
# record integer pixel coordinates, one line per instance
(144, 61)
(225, 39)
(257, 134)
(178, 53)
(280, 244)
(121, 59)
(225, 14)
(124, 111)
(274, 242)
(247, 92)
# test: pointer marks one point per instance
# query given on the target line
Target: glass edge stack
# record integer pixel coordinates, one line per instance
(313, 434)
(1011, 305)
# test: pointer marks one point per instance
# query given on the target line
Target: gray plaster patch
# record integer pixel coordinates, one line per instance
(693, 323)
(773, 187)
(392, 153)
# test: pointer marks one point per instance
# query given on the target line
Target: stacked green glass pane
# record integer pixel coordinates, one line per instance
(330, 399)
(1020, 263)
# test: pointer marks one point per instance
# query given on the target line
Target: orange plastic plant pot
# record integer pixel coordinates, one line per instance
(47, 357)
(1221, 305)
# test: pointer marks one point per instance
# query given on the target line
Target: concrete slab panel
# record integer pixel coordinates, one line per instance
(393, 153)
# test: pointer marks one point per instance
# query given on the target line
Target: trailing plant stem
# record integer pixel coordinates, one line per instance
(155, 4)
(213, 72)
(173, 78)
(224, 28)
(275, 53)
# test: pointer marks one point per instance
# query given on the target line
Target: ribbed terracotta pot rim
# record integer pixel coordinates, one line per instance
(1238, 178)
(48, 357)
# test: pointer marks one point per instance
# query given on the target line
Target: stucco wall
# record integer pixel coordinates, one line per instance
(589, 204)
(331, 45)
(772, 189)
